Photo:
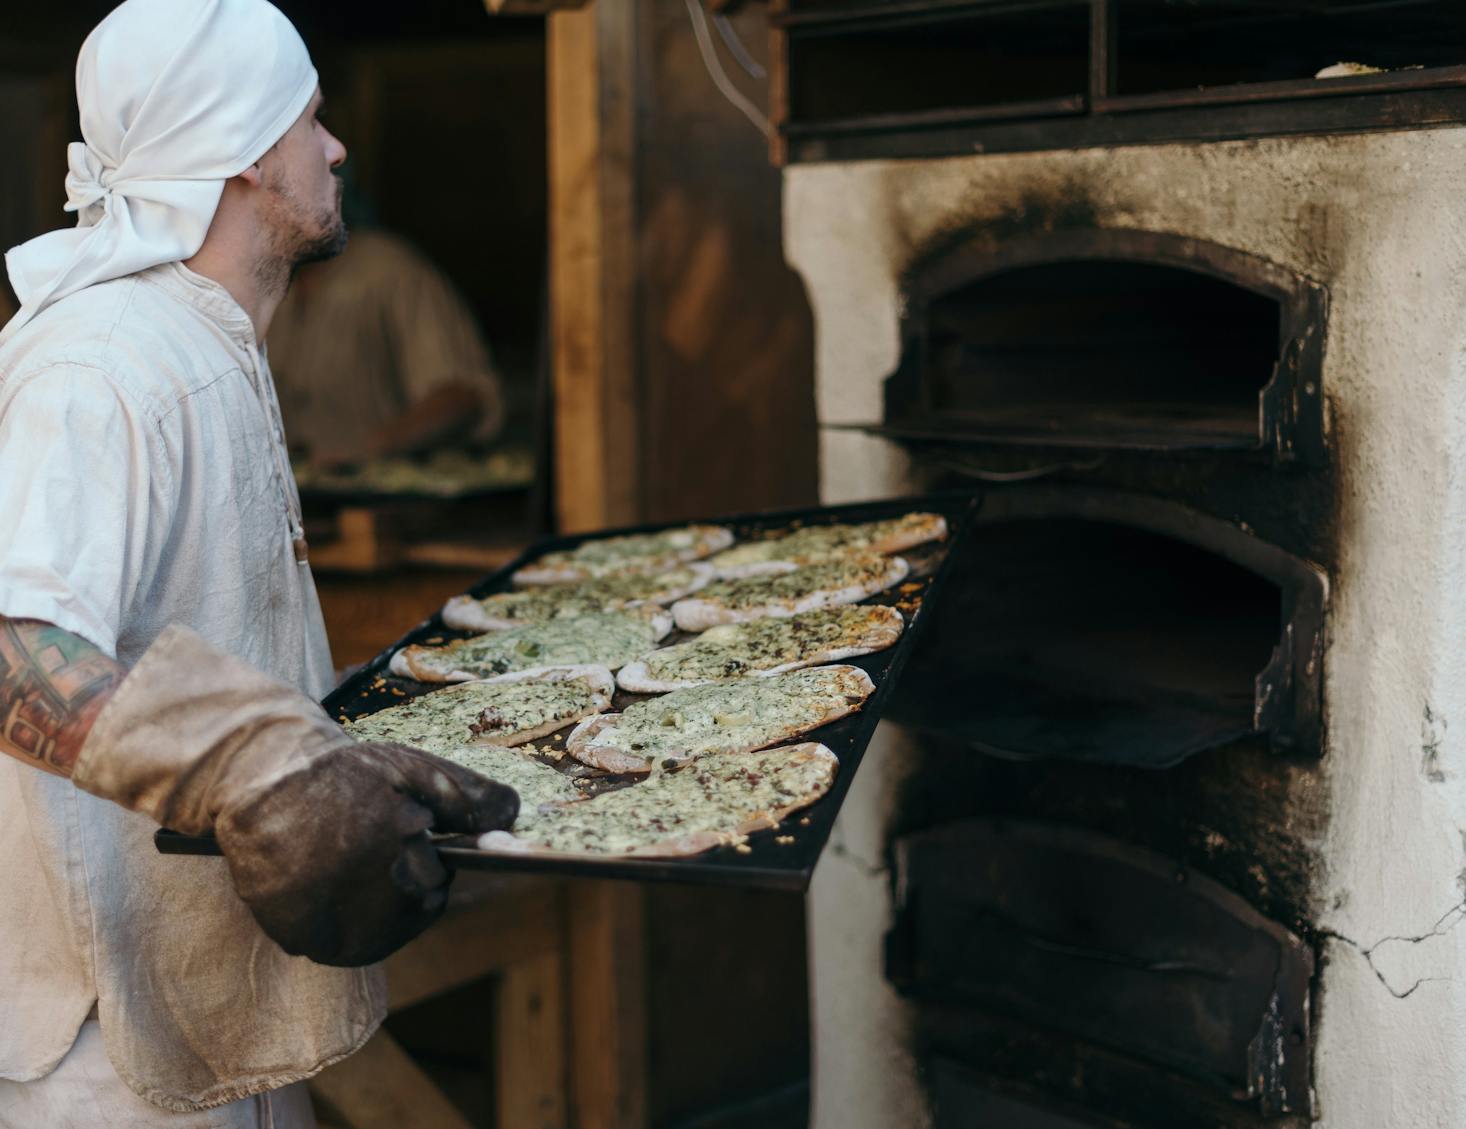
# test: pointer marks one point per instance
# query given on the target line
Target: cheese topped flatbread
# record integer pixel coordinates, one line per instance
(840, 580)
(505, 610)
(630, 553)
(764, 647)
(681, 810)
(610, 640)
(539, 786)
(506, 711)
(721, 717)
(821, 542)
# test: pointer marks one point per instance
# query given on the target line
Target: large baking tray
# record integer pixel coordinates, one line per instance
(778, 858)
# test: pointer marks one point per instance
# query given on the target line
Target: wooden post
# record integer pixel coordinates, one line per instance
(529, 1074)
(1103, 68)
(592, 157)
(607, 1012)
(778, 83)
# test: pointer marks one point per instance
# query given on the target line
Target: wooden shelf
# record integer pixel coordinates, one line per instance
(1012, 59)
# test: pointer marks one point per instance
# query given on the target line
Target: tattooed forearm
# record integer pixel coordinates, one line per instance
(52, 686)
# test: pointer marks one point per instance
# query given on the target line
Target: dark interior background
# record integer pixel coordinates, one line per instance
(442, 110)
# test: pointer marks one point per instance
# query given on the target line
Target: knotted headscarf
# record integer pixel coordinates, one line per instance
(176, 97)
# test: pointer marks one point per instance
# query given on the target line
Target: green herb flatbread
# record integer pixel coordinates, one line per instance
(681, 810)
(763, 647)
(816, 543)
(630, 553)
(505, 610)
(842, 580)
(721, 717)
(610, 640)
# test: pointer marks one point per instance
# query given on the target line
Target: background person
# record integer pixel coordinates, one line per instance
(376, 354)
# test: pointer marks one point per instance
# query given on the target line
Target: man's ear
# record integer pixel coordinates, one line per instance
(252, 176)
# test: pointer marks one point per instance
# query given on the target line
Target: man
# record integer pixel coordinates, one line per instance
(376, 354)
(161, 645)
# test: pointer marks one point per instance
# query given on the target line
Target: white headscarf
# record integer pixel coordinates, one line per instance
(176, 97)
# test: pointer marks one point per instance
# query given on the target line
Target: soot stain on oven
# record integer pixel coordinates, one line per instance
(1244, 815)
(1067, 204)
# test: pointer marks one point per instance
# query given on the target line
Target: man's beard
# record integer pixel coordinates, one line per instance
(297, 239)
(332, 240)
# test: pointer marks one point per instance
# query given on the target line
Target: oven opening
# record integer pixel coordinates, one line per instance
(1111, 352)
(1095, 641)
(1030, 949)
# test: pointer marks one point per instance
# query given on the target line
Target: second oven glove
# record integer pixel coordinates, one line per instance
(326, 838)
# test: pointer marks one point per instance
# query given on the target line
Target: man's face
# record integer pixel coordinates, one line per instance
(301, 206)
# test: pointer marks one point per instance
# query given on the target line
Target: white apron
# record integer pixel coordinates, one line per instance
(143, 481)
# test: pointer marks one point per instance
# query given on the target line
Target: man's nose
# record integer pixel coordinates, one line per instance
(335, 151)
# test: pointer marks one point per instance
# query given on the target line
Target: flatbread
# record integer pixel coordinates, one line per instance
(610, 640)
(764, 647)
(629, 553)
(509, 710)
(721, 717)
(682, 810)
(841, 580)
(444, 473)
(539, 786)
(816, 543)
(505, 610)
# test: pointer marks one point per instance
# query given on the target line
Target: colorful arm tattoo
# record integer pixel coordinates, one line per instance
(52, 686)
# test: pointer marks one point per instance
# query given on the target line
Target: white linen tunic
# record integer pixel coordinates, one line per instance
(143, 482)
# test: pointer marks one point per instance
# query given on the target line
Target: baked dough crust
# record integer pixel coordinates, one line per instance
(662, 845)
(883, 626)
(591, 741)
(631, 553)
(721, 602)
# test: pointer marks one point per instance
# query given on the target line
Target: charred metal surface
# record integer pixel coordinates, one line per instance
(961, 1098)
(1250, 819)
(1092, 625)
(1166, 369)
(970, 1056)
(1079, 933)
(1290, 508)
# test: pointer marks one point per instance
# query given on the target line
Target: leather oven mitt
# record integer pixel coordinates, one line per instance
(326, 838)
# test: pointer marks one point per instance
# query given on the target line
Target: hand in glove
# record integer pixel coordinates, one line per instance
(326, 839)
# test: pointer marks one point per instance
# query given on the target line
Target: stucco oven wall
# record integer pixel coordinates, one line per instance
(1379, 219)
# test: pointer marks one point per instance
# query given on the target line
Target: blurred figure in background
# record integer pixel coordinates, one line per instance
(375, 354)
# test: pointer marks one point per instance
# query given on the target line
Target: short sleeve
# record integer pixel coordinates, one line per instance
(86, 496)
(437, 340)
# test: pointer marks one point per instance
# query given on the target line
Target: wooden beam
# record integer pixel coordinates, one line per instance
(592, 176)
(529, 1042)
(506, 930)
(607, 949)
(380, 1087)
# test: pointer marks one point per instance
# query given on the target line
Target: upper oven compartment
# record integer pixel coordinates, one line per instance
(1109, 340)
